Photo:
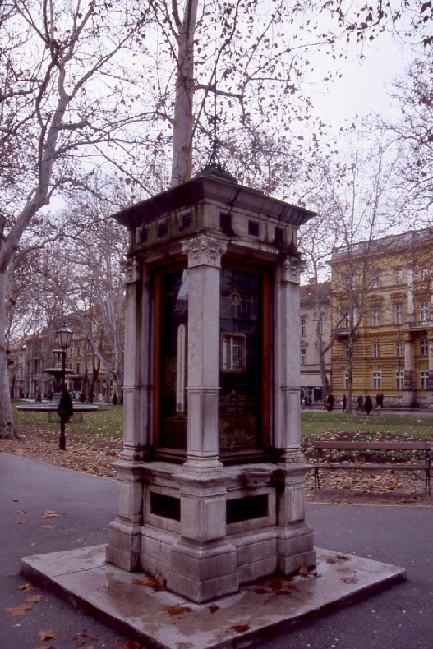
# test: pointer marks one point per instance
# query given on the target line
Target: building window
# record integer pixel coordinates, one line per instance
(398, 314)
(185, 222)
(375, 282)
(347, 351)
(423, 346)
(143, 235)
(424, 312)
(376, 350)
(279, 235)
(253, 228)
(399, 276)
(399, 380)
(226, 224)
(423, 379)
(399, 348)
(346, 380)
(162, 229)
(233, 352)
(303, 326)
(322, 324)
(423, 274)
(375, 316)
(376, 380)
(303, 356)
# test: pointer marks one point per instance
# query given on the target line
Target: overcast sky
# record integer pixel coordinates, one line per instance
(366, 84)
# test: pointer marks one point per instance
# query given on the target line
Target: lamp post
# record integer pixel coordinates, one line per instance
(64, 337)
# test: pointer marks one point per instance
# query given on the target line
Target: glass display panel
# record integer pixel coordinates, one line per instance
(240, 360)
(173, 361)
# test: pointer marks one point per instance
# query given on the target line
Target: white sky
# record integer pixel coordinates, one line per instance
(366, 84)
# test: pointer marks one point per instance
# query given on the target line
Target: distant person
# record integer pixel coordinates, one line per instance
(368, 404)
(359, 404)
(344, 402)
(330, 402)
(379, 400)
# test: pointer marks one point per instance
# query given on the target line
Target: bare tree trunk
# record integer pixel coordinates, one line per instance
(7, 430)
(182, 121)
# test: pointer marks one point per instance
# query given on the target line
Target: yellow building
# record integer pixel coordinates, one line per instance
(381, 316)
(315, 335)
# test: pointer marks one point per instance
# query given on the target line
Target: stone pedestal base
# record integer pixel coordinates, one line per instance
(203, 572)
(295, 547)
(123, 549)
(207, 533)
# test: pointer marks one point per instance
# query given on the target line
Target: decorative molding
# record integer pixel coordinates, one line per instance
(292, 268)
(204, 251)
(131, 271)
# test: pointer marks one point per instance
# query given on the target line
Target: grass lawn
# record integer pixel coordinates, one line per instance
(105, 424)
(315, 424)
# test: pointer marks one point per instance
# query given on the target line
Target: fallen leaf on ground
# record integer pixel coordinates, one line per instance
(213, 608)
(128, 645)
(35, 598)
(349, 580)
(158, 582)
(15, 611)
(47, 634)
(241, 628)
(276, 583)
(176, 610)
(50, 514)
(303, 570)
(25, 587)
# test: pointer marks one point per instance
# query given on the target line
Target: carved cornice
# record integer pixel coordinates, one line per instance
(204, 251)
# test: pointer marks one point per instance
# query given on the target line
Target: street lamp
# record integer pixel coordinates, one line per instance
(64, 337)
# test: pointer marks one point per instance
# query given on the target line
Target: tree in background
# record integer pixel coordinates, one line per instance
(353, 197)
(65, 86)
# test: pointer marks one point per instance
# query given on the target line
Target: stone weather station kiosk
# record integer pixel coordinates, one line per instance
(211, 475)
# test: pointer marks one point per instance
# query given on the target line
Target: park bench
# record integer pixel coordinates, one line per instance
(391, 456)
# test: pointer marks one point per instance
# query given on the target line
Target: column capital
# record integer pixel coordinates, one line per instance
(292, 267)
(204, 250)
(131, 271)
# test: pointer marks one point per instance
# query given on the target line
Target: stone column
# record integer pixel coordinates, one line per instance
(202, 562)
(295, 537)
(288, 363)
(136, 390)
(204, 263)
(123, 547)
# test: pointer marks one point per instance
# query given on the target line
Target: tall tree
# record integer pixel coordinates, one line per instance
(352, 198)
(60, 92)
(414, 133)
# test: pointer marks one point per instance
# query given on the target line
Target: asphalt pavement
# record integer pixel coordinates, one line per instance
(45, 509)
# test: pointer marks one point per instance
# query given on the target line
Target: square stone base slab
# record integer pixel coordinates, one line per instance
(163, 620)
